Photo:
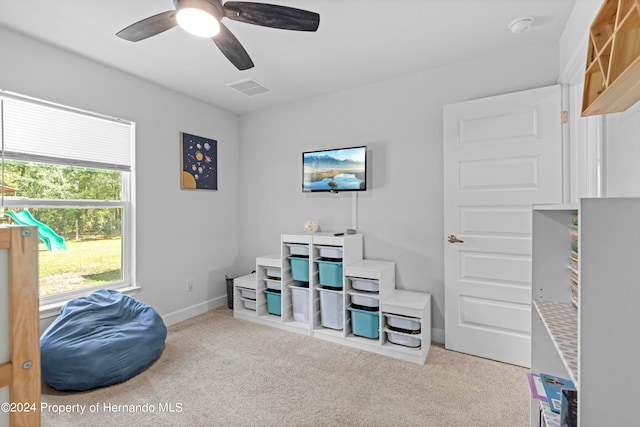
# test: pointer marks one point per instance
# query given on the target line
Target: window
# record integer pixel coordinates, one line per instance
(70, 173)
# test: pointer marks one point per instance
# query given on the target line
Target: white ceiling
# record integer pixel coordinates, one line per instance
(358, 42)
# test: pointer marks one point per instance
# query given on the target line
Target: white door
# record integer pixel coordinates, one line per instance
(501, 155)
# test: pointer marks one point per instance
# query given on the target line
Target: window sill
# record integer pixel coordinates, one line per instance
(48, 311)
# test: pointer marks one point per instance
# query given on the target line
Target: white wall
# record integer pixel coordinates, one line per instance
(180, 234)
(400, 121)
(622, 155)
(573, 42)
(187, 234)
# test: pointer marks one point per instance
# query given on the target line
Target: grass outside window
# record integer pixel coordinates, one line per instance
(85, 263)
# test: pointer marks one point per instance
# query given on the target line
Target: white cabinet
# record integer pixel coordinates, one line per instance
(268, 268)
(244, 295)
(299, 271)
(413, 309)
(594, 344)
(345, 250)
(342, 305)
(360, 303)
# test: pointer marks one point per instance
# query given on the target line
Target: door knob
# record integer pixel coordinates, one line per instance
(453, 239)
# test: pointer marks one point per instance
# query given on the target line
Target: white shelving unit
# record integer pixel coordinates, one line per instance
(397, 302)
(416, 305)
(593, 345)
(242, 305)
(381, 271)
(257, 281)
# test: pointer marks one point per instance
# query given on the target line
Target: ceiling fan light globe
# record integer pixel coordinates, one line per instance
(198, 22)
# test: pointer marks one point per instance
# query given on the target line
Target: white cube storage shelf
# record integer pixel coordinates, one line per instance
(242, 304)
(409, 305)
(364, 282)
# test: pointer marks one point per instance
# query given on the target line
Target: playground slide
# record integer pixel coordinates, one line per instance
(51, 240)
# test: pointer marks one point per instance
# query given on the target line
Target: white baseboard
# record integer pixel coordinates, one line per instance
(48, 314)
(194, 310)
(437, 335)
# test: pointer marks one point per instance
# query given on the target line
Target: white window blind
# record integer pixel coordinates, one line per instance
(36, 131)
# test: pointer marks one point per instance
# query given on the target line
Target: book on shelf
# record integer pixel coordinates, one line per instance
(535, 384)
(553, 387)
(574, 295)
(573, 265)
(574, 287)
(569, 408)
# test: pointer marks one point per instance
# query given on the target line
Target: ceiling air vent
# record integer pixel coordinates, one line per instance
(249, 87)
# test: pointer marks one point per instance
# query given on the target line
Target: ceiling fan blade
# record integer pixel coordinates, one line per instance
(232, 49)
(272, 15)
(148, 27)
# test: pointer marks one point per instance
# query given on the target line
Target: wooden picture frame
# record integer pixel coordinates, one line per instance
(199, 160)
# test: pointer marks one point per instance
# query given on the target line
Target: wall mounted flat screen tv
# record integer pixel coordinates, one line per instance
(339, 169)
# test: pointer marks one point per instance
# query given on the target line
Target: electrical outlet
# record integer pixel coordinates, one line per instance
(189, 285)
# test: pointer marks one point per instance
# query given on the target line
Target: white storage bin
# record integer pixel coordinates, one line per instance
(331, 312)
(249, 304)
(300, 300)
(369, 285)
(334, 252)
(403, 322)
(297, 249)
(403, 339)
(365, 300)
(274, 272)
(248, 293)
(273, 284)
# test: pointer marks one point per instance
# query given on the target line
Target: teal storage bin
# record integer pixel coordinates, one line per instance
(365, 323)
(299, 268)
(274, 299)
(330, 273)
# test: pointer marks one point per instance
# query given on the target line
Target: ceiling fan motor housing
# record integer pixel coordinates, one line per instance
(213, 7)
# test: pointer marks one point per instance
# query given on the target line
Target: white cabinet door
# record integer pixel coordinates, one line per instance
(501, 155)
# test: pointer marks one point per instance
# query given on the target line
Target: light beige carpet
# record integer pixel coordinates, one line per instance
(219, 371)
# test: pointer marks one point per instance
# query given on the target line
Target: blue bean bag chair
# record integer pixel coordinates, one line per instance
(100, 340)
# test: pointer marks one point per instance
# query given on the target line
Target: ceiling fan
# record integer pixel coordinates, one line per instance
(204, 18)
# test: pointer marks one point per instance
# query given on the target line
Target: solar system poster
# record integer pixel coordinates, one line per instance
(199, 158)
